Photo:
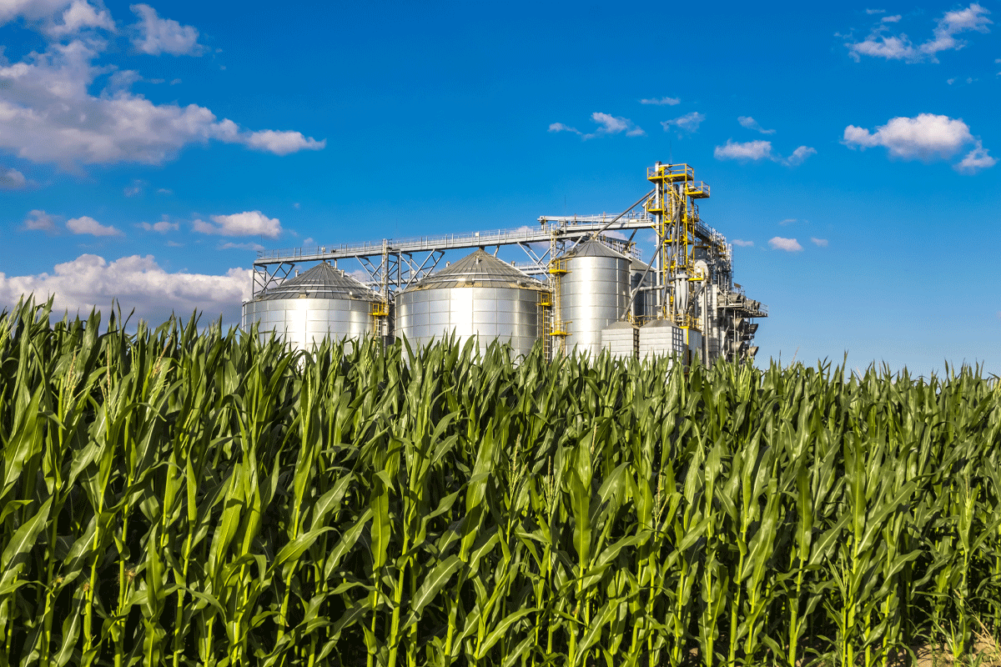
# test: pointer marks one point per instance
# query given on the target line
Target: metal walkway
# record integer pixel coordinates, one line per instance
(395, 263)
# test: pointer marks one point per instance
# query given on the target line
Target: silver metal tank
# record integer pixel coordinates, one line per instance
(662, 338)
(644, 304)
(318, 303)
(594, 293)
(477, 296)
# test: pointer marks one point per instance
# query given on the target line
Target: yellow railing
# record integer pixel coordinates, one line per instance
(697, 190)
(670, 173)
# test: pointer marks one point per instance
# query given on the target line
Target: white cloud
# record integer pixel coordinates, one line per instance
(78, 16)
(878, 45)
(670, 101)
(158, 35)
(799, 156)
(87, 225)
(788, 245)
(614, 125)
(819, 242)
(248, 223)
(137, 282)
(610, 124)
(361, 276)
(788, 221)
(282, 143)
(760, 150)
(12, 179)
(875, 11)
(308, 242)
(899, 47)
(751, 124)
(40, 221)
(135, 189)
(743, 244)
(241, 246)
(607, 125)
(973, 18)
(924, 137)
(560, 127)
(48, 114)
(977, 159)
(164, 191)
(57, 18)
(162, 227)
(688, 123)
(891, 19)
(31, 10)
(748, 150)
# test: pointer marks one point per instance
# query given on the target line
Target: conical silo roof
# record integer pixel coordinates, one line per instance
(479, 269)
(321, 282)
(594, 248)
(638, 265)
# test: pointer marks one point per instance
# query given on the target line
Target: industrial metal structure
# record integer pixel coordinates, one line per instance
(594, 293)
(321, 302)
(477, 296)
(593, 290)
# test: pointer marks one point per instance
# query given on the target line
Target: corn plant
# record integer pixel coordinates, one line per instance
(184, 494)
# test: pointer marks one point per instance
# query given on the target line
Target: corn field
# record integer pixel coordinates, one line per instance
(185, 495)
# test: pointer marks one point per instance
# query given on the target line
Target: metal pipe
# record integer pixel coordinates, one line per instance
(616, 218)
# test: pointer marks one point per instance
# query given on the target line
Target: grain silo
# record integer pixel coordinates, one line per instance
(477, 296)
(594, 294)
(641, 280)
(321, 302)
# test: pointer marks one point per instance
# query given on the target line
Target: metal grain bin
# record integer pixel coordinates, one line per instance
(660, 338)
(594, 293)
(477, 296)
(644, 306)
(621, 339)
(320, 302)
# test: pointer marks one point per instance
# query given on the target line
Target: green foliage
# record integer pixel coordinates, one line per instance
(181, 496)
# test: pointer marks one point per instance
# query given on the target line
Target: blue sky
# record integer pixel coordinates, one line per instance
(145, 150)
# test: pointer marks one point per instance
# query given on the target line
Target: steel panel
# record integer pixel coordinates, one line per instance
(301, 322)
(489, 313)
(463, 330)
(594, 292)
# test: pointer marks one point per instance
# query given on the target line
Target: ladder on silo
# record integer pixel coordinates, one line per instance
(559, 332)
(380, 315)
(546, 323)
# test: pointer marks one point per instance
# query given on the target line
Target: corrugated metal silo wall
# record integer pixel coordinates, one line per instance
(595, 293)
(507, 314)
(305, 322)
